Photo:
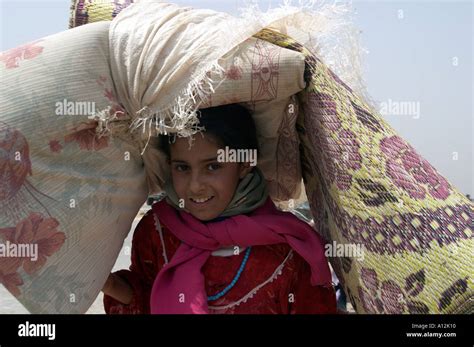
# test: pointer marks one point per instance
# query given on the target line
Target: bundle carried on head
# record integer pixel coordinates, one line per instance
(82, 178)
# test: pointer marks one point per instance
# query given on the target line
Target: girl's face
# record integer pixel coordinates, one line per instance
(205, 185)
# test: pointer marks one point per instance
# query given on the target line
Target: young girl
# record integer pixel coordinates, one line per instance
(217, 243)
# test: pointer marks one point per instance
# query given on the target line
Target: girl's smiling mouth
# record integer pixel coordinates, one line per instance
(201, 201)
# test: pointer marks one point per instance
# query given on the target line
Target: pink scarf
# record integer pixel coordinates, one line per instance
(179, 286)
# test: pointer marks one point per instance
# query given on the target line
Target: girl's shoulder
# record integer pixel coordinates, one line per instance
(146, 227)
(149, 226)
(152, 235)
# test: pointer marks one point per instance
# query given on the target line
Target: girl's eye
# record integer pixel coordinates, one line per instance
(181, 167)
(213, 166)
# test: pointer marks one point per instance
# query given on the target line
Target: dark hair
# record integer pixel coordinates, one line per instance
(230, 125)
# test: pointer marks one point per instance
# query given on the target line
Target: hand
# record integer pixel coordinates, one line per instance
(118, 288)
(106, 289)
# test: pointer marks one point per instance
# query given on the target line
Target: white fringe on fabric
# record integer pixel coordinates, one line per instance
(181, 116)
(324, 28)
(162, 86)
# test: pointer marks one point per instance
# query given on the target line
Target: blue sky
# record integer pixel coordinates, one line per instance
(420, 52)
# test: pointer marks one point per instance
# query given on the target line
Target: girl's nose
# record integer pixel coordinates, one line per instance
(196, 183)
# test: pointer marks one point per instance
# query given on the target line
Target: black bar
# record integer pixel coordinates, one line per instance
(311, 330)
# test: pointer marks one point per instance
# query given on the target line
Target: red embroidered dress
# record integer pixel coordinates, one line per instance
(275, 280)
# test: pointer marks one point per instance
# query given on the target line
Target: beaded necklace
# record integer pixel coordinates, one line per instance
(234, 281)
